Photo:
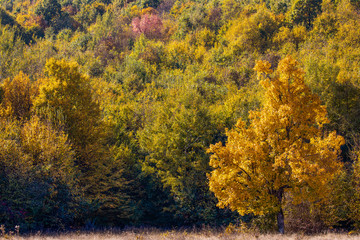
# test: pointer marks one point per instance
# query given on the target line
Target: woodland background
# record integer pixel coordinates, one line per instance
(108, 107)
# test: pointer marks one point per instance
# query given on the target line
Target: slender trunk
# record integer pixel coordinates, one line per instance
(280, 221)
(280, 215)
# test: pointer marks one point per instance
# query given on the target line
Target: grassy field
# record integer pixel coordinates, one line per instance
(179, 235)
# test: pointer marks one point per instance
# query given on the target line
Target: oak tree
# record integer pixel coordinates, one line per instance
(285, 149)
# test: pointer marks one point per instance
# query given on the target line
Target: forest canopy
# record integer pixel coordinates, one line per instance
(108, 109)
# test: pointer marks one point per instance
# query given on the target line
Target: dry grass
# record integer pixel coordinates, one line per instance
(137, 234)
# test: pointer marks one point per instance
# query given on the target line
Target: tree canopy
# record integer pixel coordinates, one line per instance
(284, 150)
(107, 109)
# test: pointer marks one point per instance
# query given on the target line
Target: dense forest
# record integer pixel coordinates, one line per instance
(108, 108)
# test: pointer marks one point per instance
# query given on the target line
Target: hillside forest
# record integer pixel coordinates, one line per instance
(180, 113)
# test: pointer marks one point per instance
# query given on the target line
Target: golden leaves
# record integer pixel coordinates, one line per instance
(18, 96)
(263, 67)
(283, 148)
(288, 68)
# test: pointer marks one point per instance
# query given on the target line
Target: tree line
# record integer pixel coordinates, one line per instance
(108, 110)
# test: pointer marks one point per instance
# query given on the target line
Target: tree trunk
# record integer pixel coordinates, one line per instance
(280, 215)
(280, 221)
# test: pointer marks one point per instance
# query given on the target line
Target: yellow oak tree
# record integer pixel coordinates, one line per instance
(284, 150)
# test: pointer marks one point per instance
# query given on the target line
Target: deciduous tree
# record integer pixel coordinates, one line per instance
(150, 25)
(17, 97)
(285, 149)
(67, 92)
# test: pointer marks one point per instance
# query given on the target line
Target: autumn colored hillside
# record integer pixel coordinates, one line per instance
(180, 113)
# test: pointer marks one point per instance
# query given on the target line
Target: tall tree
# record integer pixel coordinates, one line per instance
(66, 99)
(67, 92)
(176, 141)
(284, 150)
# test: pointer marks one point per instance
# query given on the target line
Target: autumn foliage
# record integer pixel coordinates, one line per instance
(148, 24)
(283, 151)
(108, 110)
